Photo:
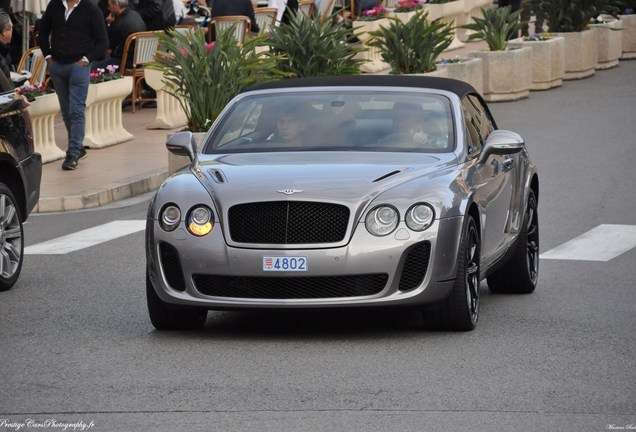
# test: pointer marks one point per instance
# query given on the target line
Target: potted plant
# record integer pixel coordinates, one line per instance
(405, 9)
(369, 21)
(43, 107)
(571, 20)
(453, 12)
(106, 91)
(412, 47)
(609, 38)
(628, 17)
(507, 71)
(204, 76)
(313, 47)
(548, 59)
(468, 69)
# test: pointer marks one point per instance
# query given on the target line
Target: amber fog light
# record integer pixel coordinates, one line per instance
(200, 221)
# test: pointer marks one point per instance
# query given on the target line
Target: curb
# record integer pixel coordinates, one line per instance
(99, 197)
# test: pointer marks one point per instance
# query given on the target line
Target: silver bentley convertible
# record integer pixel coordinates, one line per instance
(360, 191)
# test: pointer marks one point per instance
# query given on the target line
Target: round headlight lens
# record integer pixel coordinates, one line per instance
(170, 217)
(200, 221)
(382, 220)
(419, 217)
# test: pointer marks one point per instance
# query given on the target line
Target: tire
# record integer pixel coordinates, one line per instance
(171, 317)
(11, 239)
(520, 274)
(460, 311)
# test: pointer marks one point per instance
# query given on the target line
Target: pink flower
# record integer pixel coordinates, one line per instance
(209, 46)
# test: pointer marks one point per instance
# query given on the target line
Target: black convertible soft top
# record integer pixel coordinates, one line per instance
(460, 88)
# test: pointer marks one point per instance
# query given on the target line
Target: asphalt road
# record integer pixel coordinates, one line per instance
(76, 344)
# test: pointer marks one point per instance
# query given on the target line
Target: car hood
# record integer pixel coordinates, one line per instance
(347, 177)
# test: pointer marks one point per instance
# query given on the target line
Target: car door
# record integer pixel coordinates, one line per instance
(495, 192)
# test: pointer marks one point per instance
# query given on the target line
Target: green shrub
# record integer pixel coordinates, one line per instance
(412, 46)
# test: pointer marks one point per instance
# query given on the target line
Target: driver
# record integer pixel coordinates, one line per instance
(412, 129)
(290, 125)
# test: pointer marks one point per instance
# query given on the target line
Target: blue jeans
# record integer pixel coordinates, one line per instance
(71, 85)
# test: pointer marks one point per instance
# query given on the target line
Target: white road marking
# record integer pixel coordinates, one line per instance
(86, 238)
(598, 244)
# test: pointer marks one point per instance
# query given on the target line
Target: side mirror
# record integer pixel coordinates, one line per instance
(501, 142)
(183, 144)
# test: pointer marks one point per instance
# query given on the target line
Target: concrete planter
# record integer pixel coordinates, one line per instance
(439, 73)
(580, 54)
(42, 112)
(452, 12)
(469, 70)
(169, 115)
(609, 38)
(104, 125)
(548, 61)
(373, 63)
(507, 74)
(629, 36)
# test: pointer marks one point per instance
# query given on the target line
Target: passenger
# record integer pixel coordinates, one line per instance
(411, 128)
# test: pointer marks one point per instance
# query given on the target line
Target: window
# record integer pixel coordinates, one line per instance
(477, 124)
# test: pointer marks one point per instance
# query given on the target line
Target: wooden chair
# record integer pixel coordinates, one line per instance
(307, 7)
(325, 8)
(33, 62)
(242, 26)
(265, 18)
(144, 46)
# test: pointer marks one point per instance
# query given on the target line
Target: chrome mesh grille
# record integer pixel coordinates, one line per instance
(288, 222)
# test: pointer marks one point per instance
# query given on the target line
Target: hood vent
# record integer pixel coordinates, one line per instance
(217, 175)
(385, 176)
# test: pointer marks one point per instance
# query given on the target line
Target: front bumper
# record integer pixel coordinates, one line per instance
(177, 275)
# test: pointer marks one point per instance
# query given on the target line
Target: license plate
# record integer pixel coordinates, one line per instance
(285, 263)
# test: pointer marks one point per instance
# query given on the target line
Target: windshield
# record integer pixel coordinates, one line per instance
(314, 121)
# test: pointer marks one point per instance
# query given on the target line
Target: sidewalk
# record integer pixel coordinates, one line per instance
(123, 170)
(108, 174)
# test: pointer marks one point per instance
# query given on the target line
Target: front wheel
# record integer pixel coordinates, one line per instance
(11, 239)
(171, 317)
(460, 311)
(520, 274)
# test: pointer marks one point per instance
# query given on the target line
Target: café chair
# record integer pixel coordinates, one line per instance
(144, 46)
(265, 18)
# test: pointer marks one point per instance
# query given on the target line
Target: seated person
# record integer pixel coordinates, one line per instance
(290, 125)
(412, 129)
(123, 22)
(235, 7)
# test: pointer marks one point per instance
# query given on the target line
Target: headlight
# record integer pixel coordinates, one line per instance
(382, 220)
(419, 217)
(200, 220)
(170, 217)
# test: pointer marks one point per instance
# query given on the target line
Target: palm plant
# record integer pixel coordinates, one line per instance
(205, 77)
(496, 27)
(412, 46)
(313, 47)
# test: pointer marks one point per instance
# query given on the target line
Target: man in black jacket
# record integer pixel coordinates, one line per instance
(125, 21)
(6, 32)
(157, 14)
(77, 33)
